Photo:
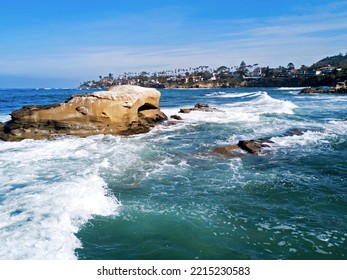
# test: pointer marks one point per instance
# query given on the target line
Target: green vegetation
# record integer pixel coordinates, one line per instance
(338, 61)
(326, 72)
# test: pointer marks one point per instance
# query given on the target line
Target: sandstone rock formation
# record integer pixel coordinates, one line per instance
(122, 110)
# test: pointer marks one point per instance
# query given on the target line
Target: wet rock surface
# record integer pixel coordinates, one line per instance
(199, 107)
(326, 91)
(255, 146)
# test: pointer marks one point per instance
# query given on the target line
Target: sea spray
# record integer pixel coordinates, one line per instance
(48, 191)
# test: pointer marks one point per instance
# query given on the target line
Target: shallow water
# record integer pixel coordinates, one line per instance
(166, 195)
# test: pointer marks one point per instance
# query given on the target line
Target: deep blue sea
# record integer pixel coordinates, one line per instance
(167, 195)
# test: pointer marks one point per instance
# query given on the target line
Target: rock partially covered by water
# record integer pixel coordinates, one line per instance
(176, 117)
(199, 107)
(255, 146)
(122, 110)
(333, 90)
(311, 90)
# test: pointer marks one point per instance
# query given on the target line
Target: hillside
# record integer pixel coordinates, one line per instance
(338, 61)
(326, 72)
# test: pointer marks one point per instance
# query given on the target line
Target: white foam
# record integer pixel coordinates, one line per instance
(265, 104)
(40, 221)
(243, 111)
(223, 94)
(308, 138)
(127, 93)
(290, 88)
(336, 127)
(5, 118)
(311, 138)
(49, 190)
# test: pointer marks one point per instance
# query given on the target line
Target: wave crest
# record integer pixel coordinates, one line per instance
(44, 205)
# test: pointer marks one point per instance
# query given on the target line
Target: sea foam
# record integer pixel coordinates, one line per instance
(321, 135)
(250, 110)
(49, 190)
(223, 94)
(5, 118)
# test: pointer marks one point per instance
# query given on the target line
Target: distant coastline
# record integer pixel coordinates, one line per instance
(328, 72)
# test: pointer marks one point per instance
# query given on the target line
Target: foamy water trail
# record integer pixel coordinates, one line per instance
(223, 94)
(291, 88)
(240, 111)
(49, 189)
(265, 104)
(323, 134)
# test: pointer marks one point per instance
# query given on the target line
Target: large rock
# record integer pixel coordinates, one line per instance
(122, 110)
(255, 146)
(311, 90)
(333, 90)
(199, 107)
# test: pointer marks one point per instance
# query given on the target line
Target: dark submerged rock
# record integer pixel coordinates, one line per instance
(225, 150)
(176, 117)
(185, 111)
(311, 90)
(333, 90)
(199, 107)
(255, 146)
(252, 146)
(294, 131)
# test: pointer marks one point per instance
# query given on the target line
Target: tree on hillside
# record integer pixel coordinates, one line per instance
(222, 69)
(143, 76)
(290, 66)
(242, 69)
(243, 66)
(266, 71)
(334, 61)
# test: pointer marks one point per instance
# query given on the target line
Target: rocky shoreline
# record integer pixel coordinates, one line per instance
(244, 84)
(250, 146)
(333, 90)
(123, 110)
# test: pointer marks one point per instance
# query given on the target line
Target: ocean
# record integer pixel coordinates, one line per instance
(166, 195)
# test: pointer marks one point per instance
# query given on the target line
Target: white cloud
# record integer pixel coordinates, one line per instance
(141, 43)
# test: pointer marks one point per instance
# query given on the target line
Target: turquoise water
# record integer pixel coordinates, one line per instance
(167, 195)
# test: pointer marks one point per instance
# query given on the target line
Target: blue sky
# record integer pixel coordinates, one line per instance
(62, 43)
